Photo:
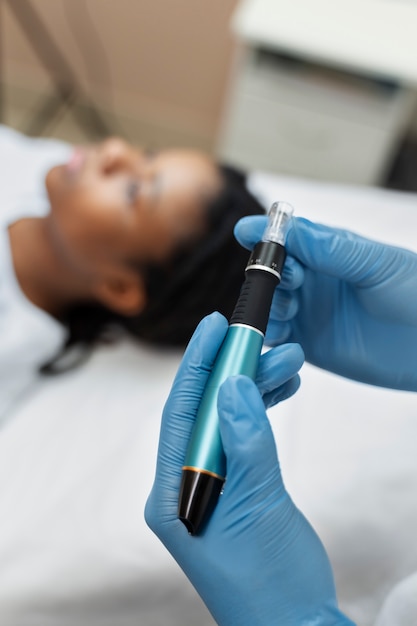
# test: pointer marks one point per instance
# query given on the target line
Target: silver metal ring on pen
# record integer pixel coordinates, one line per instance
(264, 268)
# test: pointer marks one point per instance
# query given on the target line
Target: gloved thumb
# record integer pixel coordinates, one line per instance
(332, 251)
(339, 253)
(248, 440)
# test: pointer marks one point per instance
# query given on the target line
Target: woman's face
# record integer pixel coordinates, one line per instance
(112, 204)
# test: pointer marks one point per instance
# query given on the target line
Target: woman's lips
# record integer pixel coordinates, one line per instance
(76, 161)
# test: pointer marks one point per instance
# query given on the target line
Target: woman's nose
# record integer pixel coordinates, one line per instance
(115, 154)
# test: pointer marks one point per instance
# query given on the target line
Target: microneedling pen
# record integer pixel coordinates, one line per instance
(204, 470)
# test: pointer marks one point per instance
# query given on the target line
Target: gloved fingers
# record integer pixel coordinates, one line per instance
(339, 253)
(277, 332)
(249, 230)
(292, 274)
(188, 387)
(284, 305)
(278, 366)
(282, 393)
(177, 421)
(248, 442)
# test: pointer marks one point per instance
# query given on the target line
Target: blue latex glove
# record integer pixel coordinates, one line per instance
(350, 302)
(258, 561)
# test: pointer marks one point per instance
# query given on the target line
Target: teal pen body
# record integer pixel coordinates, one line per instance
(204, 469)
(239, 354)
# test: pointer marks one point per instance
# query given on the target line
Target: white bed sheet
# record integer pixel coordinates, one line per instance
(77, 461)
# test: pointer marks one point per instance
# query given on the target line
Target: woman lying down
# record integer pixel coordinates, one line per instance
(98, 235)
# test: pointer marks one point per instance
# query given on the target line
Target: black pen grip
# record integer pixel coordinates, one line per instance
(263, 274)
(254, 303)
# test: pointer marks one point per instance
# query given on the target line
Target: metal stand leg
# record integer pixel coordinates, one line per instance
(64, 80)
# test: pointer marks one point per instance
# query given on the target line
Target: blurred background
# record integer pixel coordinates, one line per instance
(314, 88)
(323, 90)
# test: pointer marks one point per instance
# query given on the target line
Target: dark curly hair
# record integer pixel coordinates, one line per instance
(203, 277)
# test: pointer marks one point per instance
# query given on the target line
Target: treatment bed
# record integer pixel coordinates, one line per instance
(77, 458)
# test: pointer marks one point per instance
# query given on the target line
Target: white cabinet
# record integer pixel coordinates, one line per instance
(288, 113)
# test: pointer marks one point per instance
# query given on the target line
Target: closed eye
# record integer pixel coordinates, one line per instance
(150, 153)
(132, 191)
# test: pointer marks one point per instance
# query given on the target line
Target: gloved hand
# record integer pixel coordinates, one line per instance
(350, 302)
(258, 561)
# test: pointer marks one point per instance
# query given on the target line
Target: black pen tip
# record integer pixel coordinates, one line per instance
(199, 493)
